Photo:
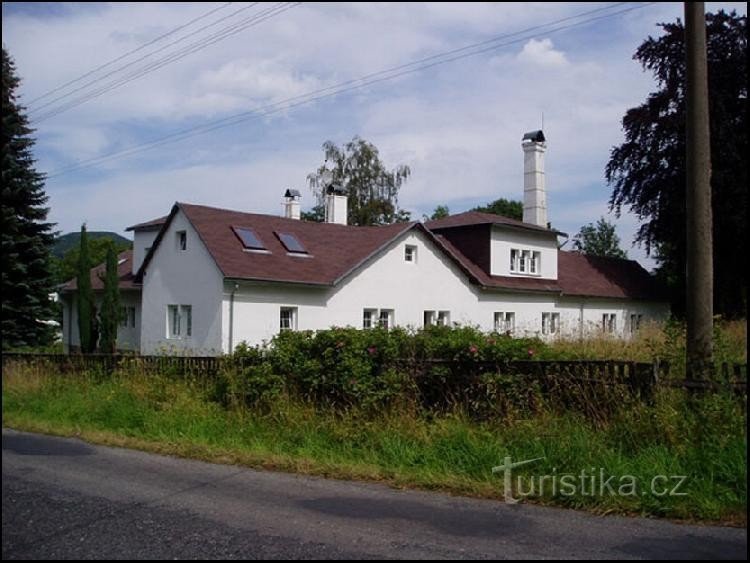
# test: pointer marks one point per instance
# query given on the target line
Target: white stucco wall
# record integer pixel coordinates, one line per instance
(142, 240)
(182, 277)
(432, 283)
(128, 338)
(503, 240)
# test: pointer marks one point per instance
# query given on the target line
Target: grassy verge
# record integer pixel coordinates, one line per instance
(704, 440)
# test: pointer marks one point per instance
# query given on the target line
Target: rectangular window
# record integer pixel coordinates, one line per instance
(385, 320)
(535, 264)
(429, 318)
(635, 323)
(550, 323)
(609, 323)
(523, 262)
(181, 240)
(368, 318)
(127, 318)
(288, 318)
(186, 318)
(513, 260)
(173, 321)
(179, 321)
(443, 318)
(410, 253)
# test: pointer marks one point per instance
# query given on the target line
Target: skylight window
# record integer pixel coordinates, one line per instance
(249, 238)
(291, 243)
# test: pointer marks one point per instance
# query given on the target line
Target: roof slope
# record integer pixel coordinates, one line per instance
(124, 274)
(479, 218)
(153, 225)
(595, 276)
(332, 250)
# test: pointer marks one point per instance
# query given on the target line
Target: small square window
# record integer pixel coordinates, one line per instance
(181, 240)
(368, 318)
(385, 320)
(429, 318)
(288, 318)
(410, 253)
(443, 318)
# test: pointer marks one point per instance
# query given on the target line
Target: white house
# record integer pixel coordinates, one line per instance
(202, 279)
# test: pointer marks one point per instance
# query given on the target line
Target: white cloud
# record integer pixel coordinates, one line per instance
(542, 53)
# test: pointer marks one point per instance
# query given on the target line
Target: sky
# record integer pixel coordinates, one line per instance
(457, 125)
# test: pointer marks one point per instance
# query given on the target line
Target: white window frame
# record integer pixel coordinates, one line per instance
(292, 318)
(635, 322)
(410, 253)
(181, 240)
(535, 263)
(443, 318)
(368, 318)
(386, 321)
(550, 323)
(609, 323)
(429, 318)
(514, 252)
(179, 321)
(505, 321)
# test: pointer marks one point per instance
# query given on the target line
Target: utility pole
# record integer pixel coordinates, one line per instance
(700, 286)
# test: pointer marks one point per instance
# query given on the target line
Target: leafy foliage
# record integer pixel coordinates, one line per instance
(647, 172)
(505, 207)
(372, 189)
(440, 212)
(599, 239)
(110, 314)
(26, 234)
(66, 268)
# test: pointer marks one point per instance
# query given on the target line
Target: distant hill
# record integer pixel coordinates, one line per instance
(72, 240)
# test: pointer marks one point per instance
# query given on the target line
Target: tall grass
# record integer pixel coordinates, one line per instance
(702, 438)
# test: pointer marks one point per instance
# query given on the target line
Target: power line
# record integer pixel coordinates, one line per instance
(144, 57)
(125, 55)
(358, 83)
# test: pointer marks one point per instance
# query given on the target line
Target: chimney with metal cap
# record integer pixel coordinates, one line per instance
(336, 205)
(291, 204)
(534, 192)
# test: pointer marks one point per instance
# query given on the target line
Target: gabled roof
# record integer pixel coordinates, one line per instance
(153, 225)
(124, 274)
(469, 218)
(333, 251)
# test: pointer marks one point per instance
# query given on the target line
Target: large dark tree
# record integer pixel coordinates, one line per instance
(372, 189)
(26, 235)
(647, 172)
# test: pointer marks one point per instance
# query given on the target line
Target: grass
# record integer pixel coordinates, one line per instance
(702, 438)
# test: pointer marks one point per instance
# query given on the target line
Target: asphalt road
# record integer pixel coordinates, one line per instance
(63, 498)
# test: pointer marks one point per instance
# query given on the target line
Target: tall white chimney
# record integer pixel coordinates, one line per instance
(291, 204)
(534, 191)
(336, 205)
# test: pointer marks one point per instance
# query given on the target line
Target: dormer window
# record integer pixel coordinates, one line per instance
(525, 261)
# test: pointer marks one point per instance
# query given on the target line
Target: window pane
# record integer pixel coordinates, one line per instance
(291, 243)
(249, 238)
(367, 319)
(187, 315)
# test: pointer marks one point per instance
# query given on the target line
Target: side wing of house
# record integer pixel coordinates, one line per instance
(181, 293)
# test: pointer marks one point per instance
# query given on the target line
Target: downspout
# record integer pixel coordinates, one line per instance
(231, 316)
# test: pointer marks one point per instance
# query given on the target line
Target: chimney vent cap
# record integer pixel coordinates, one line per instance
(534, 136)
(292, 193)
(336, 189)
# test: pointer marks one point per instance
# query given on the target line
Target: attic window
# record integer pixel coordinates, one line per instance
(291, 243)
(249, 238)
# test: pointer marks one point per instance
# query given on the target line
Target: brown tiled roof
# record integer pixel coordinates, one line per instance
(153, 225)
(594, 276)
(478, 218)
(124, 273)
(332, 250)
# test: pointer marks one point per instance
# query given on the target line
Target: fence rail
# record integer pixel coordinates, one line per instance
(639, 376)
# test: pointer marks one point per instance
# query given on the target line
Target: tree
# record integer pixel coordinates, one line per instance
(599, 239)
(110, 313)
(505, 207)
(440, 212)
(26, 235)
(66, 268)
(372, 189)
(87, 330)
(647, 172)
